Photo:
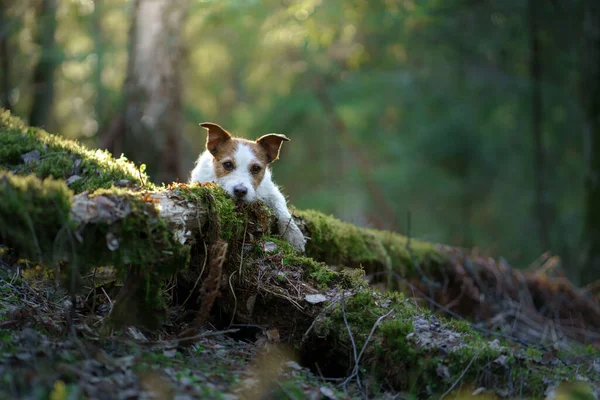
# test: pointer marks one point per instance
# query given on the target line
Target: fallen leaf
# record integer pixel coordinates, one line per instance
(315, 298)
(443, 371)
(273, 335)
(72, 179)
(502, 360)
(293, 365)
(269, 247)
(250, 304)
(478, 391)
(112, 242)
(170, 353)
(327, 392)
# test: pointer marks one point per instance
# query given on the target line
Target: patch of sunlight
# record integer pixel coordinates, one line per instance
(26, 43)
(88, 91)
(287, 35)
(209, 58)
(357, 56)
(85, 7)
(62, 107)
(398, 52)
(89, 127)
(348, 34)
(113, 74)
(59, 391)
(326, 36)
(115, 21)
(301, 15)
(77, 44)
(76, 71)
(259, 73)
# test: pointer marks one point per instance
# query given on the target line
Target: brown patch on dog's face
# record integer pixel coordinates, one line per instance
(224, 161)
(258, 167)
(239, 164)
(216, 138)
(271, 144)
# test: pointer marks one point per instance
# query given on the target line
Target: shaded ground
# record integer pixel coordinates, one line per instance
(40, 359)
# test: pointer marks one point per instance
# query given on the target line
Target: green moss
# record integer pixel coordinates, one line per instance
(338, 243)
(405, 357)
(147, 252)
(34, 219)
(61, 158)
(343, 244)
(534, 353)
(32, 213)
(231, 217)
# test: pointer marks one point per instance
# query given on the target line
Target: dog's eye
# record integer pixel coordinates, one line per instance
(228, 165)
(255, 169)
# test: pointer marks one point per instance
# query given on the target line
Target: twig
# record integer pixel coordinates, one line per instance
(460, 377)
(352, 341)
(234, 298)
(179, 340)
(460, 317)
(199, 275)
(315, 320)
(356, 366)
(242, 252)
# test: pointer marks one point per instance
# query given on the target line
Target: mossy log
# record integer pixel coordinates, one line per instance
(85, 209)
(464, 283)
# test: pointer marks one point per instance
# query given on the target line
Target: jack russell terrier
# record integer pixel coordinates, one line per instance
(242, 168)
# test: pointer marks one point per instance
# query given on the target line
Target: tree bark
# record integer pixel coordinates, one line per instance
(535, 71)
(153, 110)
(97, 33)
(591, 104)
(4, 60)
(43, 75)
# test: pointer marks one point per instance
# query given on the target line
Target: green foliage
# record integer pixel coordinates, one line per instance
(433, 96)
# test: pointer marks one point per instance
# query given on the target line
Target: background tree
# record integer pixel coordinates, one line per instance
(591, 104)
(152, 119)
(4, 59)
(43, 74)
(430, 107)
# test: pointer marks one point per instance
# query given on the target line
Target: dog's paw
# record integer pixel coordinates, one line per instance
(293, 235)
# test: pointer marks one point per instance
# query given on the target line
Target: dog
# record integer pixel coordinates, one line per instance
(243, 168)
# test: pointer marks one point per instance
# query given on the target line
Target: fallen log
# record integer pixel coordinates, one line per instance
(111, 215)
(461, 282)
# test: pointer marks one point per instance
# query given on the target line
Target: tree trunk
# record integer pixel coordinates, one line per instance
(535, 71)
(97, 33)
(153, 111)
(43, 75)
(4, 59)
(591, 104)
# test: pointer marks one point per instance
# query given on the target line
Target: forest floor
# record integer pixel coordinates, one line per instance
(43, 356)
(41, 359)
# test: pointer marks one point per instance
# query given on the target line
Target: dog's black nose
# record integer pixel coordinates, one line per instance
(240, 191)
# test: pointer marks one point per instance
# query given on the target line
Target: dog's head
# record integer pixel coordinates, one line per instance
(240, 164)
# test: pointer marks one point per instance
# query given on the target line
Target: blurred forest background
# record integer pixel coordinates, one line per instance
(472, 123)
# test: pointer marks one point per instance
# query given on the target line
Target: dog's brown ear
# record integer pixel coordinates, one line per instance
(216, 136)
(272, 143)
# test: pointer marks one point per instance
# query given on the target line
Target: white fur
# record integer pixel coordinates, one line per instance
(266, 191)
